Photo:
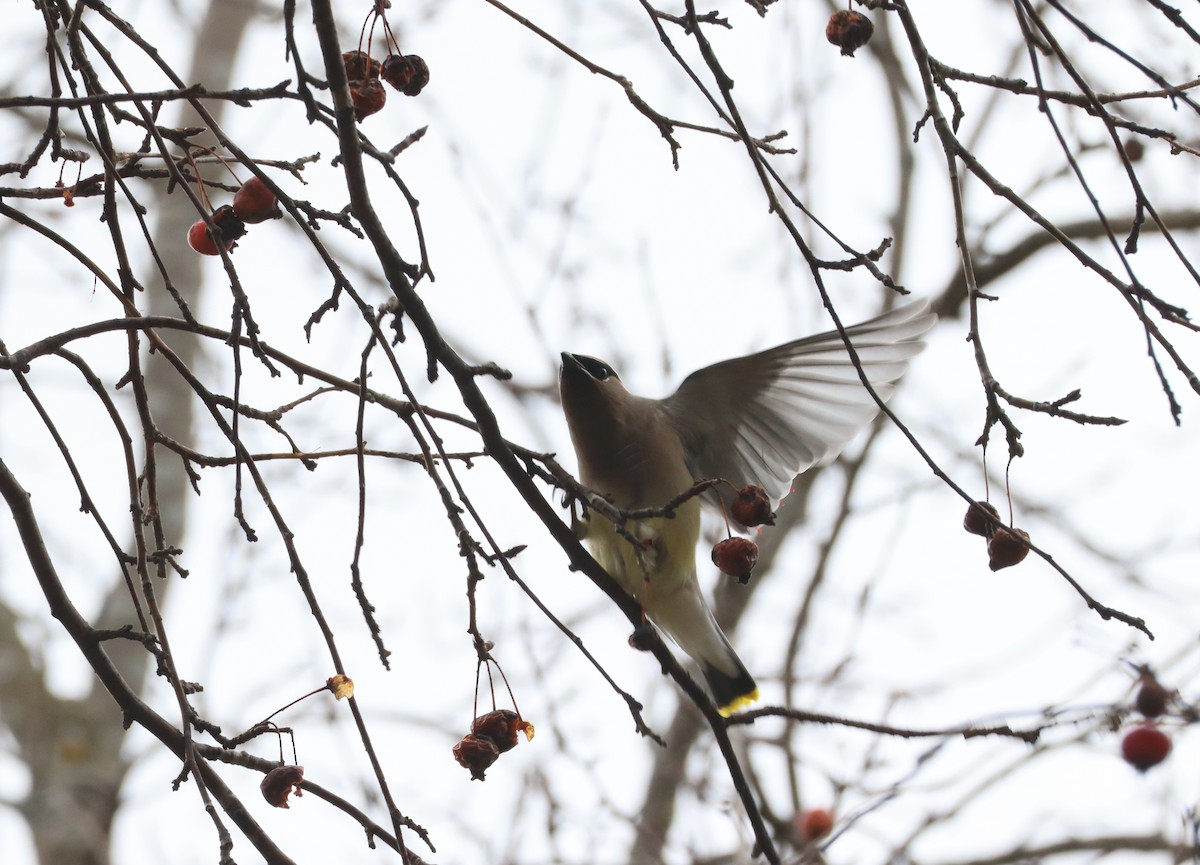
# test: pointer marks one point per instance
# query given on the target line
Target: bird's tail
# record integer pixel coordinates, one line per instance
(730, 691)
(686, 619)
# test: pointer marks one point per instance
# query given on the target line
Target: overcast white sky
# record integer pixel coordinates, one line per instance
(555, 221)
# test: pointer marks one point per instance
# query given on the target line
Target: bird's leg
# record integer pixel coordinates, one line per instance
(580, 524)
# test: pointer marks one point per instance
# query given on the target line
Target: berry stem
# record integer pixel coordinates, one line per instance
(267, 720)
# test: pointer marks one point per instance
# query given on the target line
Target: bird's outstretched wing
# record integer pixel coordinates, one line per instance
(766, 417)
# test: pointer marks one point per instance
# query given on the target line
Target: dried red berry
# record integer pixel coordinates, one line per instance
(1152, 698)
(1145, 746)
(397, 70)
(981, 518)
(849, 31)
(736, 557)
(408, 73)
(1007, 547)
(278, 784)
(751, 507)
(420, 75)
(255, 202)
(368, 97)
(359, 66)
(501, 726)
(814, 824)
(476, 753)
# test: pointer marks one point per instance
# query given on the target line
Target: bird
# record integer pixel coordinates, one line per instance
(760, 419)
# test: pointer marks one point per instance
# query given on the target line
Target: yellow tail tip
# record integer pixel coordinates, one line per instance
(736, 703)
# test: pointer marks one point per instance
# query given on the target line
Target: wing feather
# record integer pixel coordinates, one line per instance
(766, 417)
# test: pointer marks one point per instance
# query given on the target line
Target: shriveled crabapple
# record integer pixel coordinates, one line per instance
(736, 557)
(368, 97)
(492, 733)
(408, 73)
(849, 31)
(280, 782)
(1008, 547)
(476, 753)
(751, 507)
(981, 518)
(359, 66)
(501, 726)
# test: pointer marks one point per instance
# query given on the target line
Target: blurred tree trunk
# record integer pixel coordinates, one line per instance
(72, 748)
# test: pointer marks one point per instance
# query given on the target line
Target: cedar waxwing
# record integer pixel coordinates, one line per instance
(760, 419)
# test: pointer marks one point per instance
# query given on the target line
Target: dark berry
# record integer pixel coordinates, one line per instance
(359, 66)
(476, 753)
(279, 783)
(1152, 698)
(408, 73)
(1007, 547)
(1145, 746)
(981, 518)
(643, 637)
(849, 31)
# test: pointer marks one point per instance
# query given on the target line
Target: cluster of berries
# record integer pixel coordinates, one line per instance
(491, 735)
(253, 203)
(737, 556)
(1146, 745)
(284, 780)
(407, 73)
(1007, 545)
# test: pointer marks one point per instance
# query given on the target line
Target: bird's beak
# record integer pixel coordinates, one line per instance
(571, 368)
